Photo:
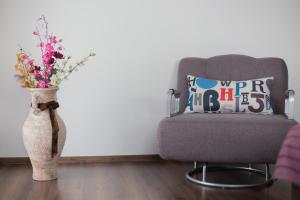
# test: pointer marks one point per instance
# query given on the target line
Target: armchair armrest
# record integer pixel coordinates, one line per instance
(289, 104)
(172, 102)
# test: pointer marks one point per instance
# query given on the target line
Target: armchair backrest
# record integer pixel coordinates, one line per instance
(236, 67)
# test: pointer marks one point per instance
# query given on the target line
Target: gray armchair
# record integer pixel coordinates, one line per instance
(227, 138)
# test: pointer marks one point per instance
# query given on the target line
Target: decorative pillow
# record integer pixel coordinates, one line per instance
(207, 95)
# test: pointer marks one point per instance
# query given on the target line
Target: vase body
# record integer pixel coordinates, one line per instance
(37, 135)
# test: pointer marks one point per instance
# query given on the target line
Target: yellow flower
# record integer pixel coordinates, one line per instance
(21, 70)
(28, 84)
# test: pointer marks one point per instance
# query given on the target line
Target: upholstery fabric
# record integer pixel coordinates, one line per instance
(208, 95)
(223, 138)
(236, 67)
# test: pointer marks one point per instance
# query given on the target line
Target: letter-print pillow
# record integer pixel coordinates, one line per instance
(250, 96)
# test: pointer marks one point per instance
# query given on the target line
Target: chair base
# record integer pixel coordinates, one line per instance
(205, 168)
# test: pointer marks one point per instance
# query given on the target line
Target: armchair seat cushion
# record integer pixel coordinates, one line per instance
(223, 138)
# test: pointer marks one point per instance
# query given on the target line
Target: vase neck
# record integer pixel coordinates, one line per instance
(43, 96)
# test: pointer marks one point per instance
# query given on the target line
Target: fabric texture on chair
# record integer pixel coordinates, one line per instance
(223, 138)
(236, 67)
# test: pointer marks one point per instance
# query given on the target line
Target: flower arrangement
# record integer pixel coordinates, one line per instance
(55, 65)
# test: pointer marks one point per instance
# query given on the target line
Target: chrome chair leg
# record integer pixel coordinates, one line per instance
(195, 165)
(204, 172)
(267, 172)
(205, 169)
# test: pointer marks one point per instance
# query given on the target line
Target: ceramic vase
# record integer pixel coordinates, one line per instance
(38, 133)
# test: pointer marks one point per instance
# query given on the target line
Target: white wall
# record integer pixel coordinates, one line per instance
(113, 105)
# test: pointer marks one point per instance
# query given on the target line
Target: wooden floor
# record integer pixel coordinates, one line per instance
(127, 181)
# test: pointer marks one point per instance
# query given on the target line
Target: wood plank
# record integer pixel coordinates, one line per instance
(109, 159)
(127, 181)
(14, 161)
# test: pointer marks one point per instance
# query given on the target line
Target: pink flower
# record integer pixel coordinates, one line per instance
(49, 50)
(59, 48)
(49, 69)
(49, 47)
(37, 74)
(53, 39)
(45, 59)
(60, 40)
(46, 75)
(48, 59)
(50, 53)
(30, 62)
(42, 84)
(35, 33)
